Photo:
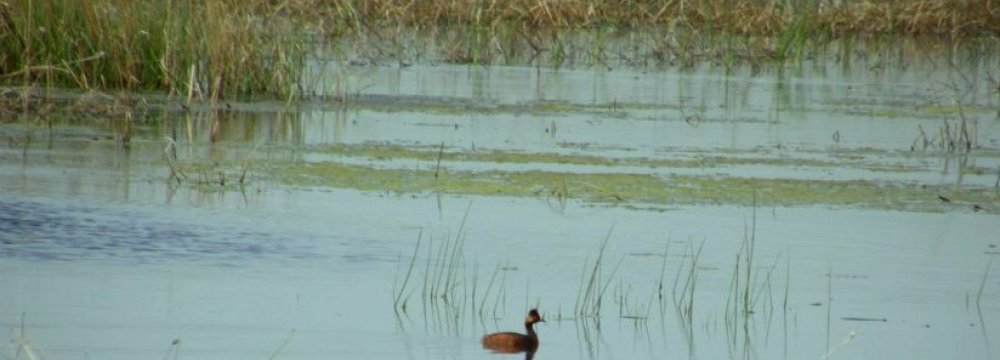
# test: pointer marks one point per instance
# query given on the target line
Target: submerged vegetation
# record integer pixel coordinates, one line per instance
(213, 49)
(636, 183)
(202, 160)
(639, 190)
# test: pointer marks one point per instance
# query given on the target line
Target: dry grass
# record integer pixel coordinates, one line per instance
(216, 48)
(229, 48)
(757, 17)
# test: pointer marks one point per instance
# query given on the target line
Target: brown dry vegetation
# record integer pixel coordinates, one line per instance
(208, 49)
(756, 17)
(188, 48)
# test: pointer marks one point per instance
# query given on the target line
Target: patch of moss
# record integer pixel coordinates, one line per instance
(631, 189)
(431, 153)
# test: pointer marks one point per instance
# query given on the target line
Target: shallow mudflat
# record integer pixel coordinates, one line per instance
(787, 214)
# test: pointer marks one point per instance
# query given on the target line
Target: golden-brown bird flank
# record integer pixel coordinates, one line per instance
(511, 342)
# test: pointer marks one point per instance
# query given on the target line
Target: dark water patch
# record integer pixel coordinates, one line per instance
(72, 232)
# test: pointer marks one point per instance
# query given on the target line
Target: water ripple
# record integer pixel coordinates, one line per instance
(72, 232)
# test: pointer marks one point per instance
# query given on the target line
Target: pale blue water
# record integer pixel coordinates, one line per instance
(102, 258)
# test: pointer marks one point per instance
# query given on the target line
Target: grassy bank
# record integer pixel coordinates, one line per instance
(757, 17)
(228, 48)
(190, 48)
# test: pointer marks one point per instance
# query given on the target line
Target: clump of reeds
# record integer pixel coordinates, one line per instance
(761, 17)
(446, 289)
(684, 302)
(953, 137)
(232, 48)
(557, 33)
(594, 285)
(225, 48)
(751, 289)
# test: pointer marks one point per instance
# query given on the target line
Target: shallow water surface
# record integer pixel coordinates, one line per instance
(769, 216)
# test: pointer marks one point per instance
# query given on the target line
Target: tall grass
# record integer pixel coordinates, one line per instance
(226, 48)
(759, 17)
(684, 303)
(229, 48)
(593, 287)
(447, 290)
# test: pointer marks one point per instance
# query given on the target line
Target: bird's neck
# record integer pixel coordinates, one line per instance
(530, 328)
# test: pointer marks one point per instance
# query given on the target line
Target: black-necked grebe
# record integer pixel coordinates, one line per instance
(511, 342)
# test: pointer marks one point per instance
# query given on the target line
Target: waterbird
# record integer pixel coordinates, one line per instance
(512, 342)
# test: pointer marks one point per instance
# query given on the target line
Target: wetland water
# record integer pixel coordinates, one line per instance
(868, 241)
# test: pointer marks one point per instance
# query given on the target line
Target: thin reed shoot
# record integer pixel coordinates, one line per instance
(592, 291)
(175, 349)
(982, 284)
(399, 302)
(447, 289)
(21, 343)
(684, 303)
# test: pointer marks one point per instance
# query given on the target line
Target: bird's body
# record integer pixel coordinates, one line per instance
(512, 342)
